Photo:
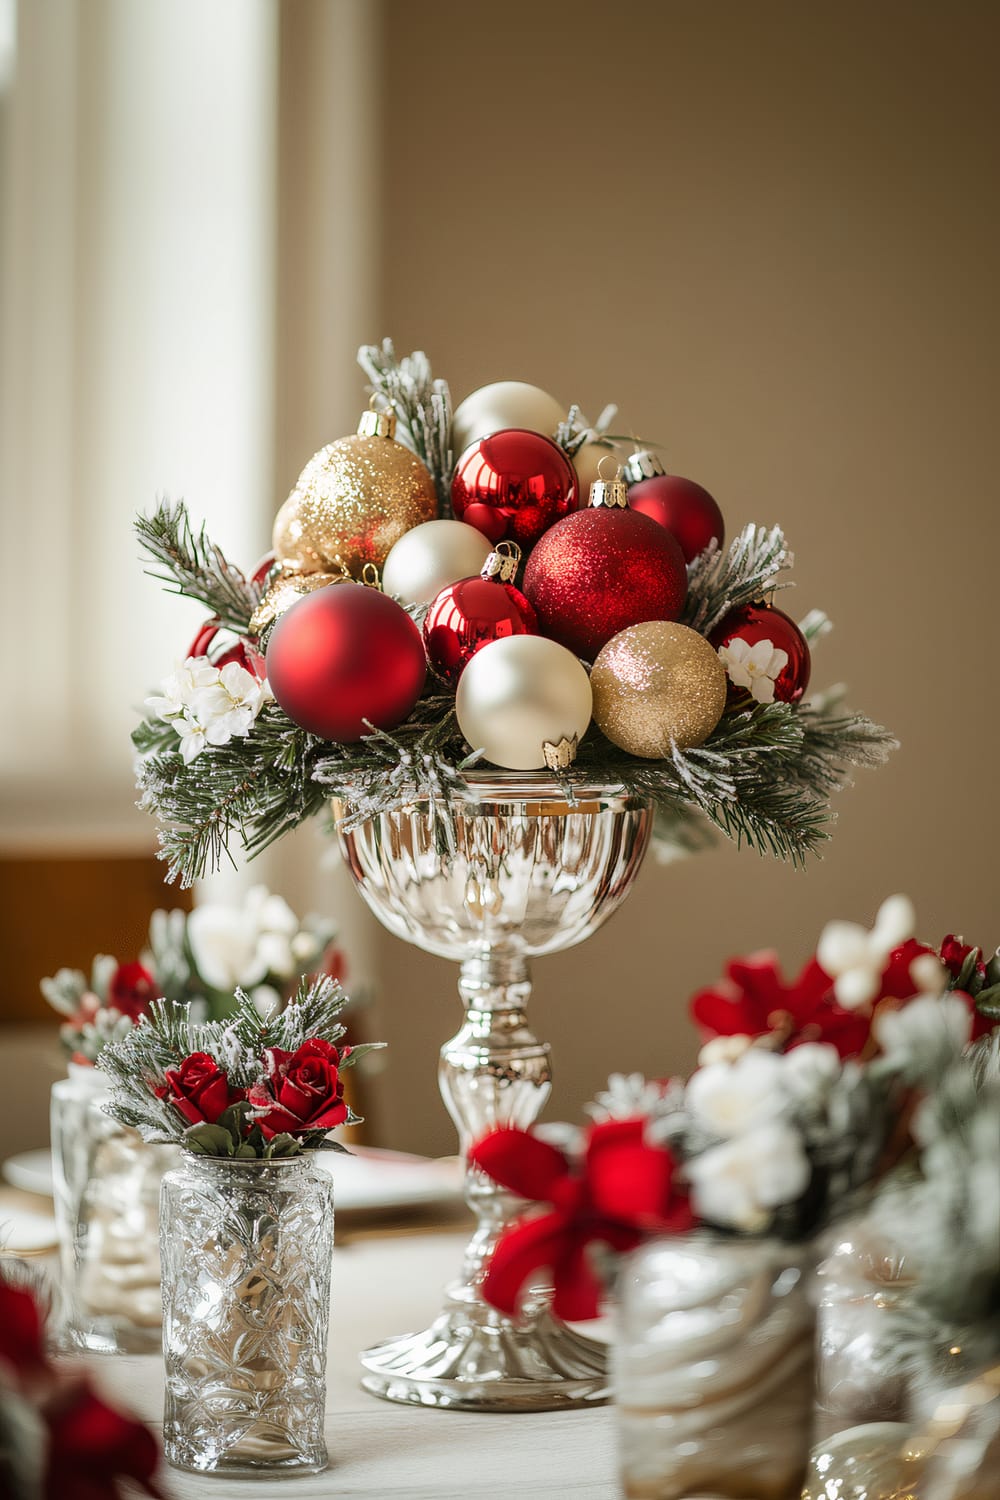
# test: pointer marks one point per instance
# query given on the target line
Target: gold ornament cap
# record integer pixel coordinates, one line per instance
(377, 423)
(609, 494)
(559, 756)
(502, 563)
(643, 464)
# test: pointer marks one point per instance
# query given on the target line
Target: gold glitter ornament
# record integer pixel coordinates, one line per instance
(353, 501)
(657, 683)
(286, 590)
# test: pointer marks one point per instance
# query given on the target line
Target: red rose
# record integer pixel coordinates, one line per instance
(22, 1342)
(200, 1089)
(954, 952)
(303, 1090)
(131, 989)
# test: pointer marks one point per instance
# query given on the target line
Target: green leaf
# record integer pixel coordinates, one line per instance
(967, 973)
(360, 1050)
(209, 1140)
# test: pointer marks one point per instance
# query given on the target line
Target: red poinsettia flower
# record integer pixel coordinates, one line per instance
(22, 1343)
(897, 979)
(754, 999)
(622, 1190)
(131, 989)
(94, 1449)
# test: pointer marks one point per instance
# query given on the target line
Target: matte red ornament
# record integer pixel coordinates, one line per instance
(222, 646)
(344, 655)
(473, 612)
(763, 622)
(602, 570)
(687, 510)
(523, 480)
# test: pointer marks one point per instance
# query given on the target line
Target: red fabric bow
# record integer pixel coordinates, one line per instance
(622, 1190)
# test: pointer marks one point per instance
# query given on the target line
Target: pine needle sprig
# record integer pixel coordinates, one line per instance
(422, 406)
(190, 564)
(721, 581)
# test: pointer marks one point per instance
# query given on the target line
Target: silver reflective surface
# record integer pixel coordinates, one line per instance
(516, 872)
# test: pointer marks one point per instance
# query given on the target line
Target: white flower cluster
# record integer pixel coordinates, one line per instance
(755, 668)
(243, 946)
(209, 705)
(748, 1106)
(855, 958)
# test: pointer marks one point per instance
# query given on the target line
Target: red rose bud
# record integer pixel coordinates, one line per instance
(303, 1091)
(954, 952)
(131, 990)
(200, 1089)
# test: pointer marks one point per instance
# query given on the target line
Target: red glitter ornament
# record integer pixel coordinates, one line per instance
(344, 655)
(754, 623)
(471, 613)
(602, 570)
(516, 477)
(687, 511)
(222, 646)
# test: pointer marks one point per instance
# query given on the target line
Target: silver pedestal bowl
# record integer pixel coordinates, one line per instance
(527, 874)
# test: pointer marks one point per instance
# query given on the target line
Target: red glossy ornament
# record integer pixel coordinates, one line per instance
(763, 622)
(473, 612)
(687, 510)
(222, 646)
(523, 480)
(602, 570)
(344, 655)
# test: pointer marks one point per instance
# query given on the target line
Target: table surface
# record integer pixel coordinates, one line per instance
(386, 1283)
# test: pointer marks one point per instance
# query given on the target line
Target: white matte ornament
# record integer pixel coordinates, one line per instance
(504, 404)
(518, 694)
(430, 557)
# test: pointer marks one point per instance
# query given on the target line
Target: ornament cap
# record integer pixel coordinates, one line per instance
(503, 562)
(611, 494)
(559, 756)
(377, 423)
(643, 464)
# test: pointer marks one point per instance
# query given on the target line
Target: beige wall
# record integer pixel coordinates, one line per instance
(768, 231)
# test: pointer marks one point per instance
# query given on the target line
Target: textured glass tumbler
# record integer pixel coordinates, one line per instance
(106, 1181)
(246, 1248)
(713, 1370)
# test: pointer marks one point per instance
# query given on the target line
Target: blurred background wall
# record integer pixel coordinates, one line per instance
(767, 230)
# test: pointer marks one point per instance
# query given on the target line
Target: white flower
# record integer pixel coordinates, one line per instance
(243, 945)
(180, 687)
(756, 668)
(628, 1096)
(810, 1071)
(731, 1098)
(209, 706)
(932, 1026)
(855, 958)
(741, 1182)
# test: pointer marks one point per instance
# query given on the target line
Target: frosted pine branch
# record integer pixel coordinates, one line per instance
(721, 581)
(188, 563)
(422, 406)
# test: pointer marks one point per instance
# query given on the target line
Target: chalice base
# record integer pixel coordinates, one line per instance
(472, 1358)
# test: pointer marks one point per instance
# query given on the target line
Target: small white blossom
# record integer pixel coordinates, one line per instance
(756, 668)
(729, 1099)
(810, 1071)
(932, 1026)
(741, 1182)
(180, 687)
(628, 1096)
(209, 706)
(242, 945)
(855, 957)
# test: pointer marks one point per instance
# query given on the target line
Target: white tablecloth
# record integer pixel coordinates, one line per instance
(382, 1286)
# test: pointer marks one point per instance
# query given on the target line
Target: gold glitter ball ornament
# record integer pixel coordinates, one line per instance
(657, 683)
(286, 590)
(353, 501)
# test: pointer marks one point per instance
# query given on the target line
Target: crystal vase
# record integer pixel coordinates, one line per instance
(246, 1248)
(106, 1182)
(713, 1370)
(515, 872)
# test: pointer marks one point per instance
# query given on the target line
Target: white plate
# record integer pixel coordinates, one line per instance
(23, 1232)
(369, 1178)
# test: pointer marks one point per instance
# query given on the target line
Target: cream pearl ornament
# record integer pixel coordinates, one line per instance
(524, 702)
(430, 557)
(657, 684)
(504, 404)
